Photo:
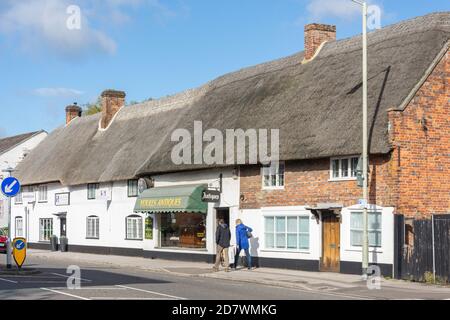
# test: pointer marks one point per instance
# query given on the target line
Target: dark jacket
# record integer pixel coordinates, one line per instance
(223, 236)
(241, 236)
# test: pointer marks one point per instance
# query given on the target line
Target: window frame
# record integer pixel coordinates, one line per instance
(19, 196)
(96, 227)
(350, 174)
(40, 192)
(96, 186)
(40, 225)
(371, 247)
(128, 188)
(286, 217)
(277, 175)
(15, 227)
(140, 234)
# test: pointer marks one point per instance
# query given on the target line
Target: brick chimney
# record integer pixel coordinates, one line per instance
(112, 102)
(73, 111)
(315, 35)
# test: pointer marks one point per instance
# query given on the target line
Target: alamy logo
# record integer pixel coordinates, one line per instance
(374, 278)
(213, 147)
(73, 22)
(373, 17)
(74, 280)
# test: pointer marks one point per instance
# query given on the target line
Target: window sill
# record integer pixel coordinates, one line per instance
(286, 251)
(134, 239)
(88, 238)
(342, 179)
(272, 188)
(371, 249)
(42, 201)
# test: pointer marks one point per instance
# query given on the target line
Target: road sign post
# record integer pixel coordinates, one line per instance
(10, 187)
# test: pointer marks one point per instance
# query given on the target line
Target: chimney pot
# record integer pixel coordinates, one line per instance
(315, 35)
(112, 102)
(72, 112)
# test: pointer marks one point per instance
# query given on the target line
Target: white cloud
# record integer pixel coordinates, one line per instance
(341, 9)
(57, 92)
(39, 25)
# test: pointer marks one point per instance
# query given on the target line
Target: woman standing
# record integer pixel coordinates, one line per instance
(243, 233)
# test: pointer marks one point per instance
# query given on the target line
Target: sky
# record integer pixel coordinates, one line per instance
(56, 52)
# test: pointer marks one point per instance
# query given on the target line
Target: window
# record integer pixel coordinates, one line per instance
(93, 227)
(92, 190)
(356, 229)
(183, 230)
(42, 193)
(273, 176)
(132, 188)
(287, 233)
(134, 228)
(18, 197)
(344, 168)
(45, 229)
(19, 227)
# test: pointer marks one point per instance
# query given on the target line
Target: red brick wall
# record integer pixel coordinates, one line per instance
(307, 182)
(315, 35)
(423, 155)
(414, 177)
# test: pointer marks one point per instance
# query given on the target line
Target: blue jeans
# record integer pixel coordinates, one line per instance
(247, 254)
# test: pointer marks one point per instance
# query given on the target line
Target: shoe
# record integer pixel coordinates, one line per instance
(227, 270)
(215, 269)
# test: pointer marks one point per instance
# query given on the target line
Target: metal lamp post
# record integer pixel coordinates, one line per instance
(9, 170)
(365, 153)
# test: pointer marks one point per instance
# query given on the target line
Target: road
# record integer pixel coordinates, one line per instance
(98, 281)
(116, 283)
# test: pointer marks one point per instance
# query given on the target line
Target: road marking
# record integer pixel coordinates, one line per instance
(152, 292)
(66, 276)
(6, 280)
(112, 298)
(65, 294)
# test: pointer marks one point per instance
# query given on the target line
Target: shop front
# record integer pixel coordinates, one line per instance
(180, 215)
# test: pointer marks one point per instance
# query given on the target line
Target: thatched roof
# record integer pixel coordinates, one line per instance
(9, 143)
(316, 106)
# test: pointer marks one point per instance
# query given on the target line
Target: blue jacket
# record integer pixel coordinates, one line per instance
(241, 236)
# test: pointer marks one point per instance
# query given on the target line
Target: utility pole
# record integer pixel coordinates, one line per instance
(9, 171)
(365, 152)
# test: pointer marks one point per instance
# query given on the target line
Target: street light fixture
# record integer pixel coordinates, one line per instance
(365, 152)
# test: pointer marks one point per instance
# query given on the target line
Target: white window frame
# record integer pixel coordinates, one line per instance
(131, 184)
(47, 223)
(286, 249)
(43, 193)
(134, 234)
(16, 227)
(274, 172)
(359, 247)
(95, 187)
(350, 176)
(93, 227)
(18, 198)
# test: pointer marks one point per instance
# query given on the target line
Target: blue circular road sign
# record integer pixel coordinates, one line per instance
(10, 187)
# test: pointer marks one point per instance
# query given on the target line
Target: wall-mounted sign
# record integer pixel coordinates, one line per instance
(212, 196)
(104, 194)
(149, 228)
(62, 199)
(144, 184)
(29, 197)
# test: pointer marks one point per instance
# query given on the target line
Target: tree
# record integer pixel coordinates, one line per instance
(92, 108)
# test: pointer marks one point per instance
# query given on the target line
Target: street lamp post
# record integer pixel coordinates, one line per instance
(365, 152)
(9, 171)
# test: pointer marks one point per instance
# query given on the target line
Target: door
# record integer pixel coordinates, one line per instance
(63, 230)
(331, 239)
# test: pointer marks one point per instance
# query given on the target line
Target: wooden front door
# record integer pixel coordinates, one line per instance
(331, 239)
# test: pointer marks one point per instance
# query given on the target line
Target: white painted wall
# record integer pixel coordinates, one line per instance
(11, 158)
(112, 213)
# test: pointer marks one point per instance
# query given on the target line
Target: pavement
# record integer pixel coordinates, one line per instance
(122, 278)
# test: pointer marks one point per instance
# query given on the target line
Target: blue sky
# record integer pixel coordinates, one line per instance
(151, 48)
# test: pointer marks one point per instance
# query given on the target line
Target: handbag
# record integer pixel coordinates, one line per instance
(249, 234)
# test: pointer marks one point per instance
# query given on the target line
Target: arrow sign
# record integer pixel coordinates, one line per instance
(10, 187)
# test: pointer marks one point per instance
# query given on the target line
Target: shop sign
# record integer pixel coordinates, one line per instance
(212, 196)
(162, 203)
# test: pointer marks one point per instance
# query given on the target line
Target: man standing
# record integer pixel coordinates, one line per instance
(223, 236)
